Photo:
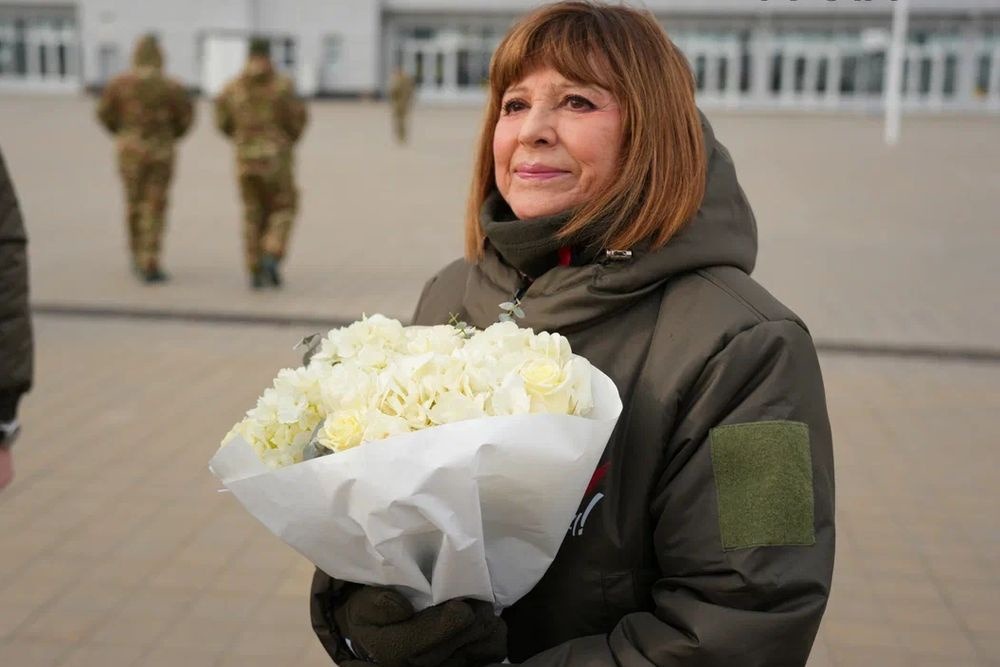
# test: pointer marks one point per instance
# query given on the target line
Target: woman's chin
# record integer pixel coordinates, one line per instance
(542, 209)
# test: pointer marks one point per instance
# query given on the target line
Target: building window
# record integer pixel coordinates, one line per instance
(823, 71)
(333, 47)
(983, 71)
(950, 74)
(800, 74)
(283, 50)
(925, 76)
(108, 62)
(848, 75)
(777, 65)
(699, 72)
(20, 49)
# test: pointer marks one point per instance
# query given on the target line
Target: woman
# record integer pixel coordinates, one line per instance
(603, 203)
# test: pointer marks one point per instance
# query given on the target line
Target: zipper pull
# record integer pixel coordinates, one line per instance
(617, 255)
(519, 292)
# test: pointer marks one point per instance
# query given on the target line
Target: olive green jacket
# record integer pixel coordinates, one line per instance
(147, 111)
(706, 538)
(261, 113)
(16, 348)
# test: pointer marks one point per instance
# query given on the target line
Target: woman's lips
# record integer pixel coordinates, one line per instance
(539, 173)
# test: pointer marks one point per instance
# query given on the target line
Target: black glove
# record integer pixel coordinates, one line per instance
(382, 627)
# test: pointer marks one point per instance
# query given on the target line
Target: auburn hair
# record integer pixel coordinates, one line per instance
(660, 180)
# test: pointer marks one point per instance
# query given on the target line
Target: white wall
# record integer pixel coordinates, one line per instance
(183, 24)
(355, 22)
(702, 6)
(179, 24)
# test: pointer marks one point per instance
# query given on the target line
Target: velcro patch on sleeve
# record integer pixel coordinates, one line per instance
(763, 475)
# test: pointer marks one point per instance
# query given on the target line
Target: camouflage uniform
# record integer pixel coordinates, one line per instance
(261, 113)
(147, 112)
(401, 90)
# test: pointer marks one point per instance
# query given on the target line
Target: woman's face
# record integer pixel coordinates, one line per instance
(556, 143)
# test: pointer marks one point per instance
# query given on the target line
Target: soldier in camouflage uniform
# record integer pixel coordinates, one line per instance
(401, 89)
(147, 112)
(261, 113)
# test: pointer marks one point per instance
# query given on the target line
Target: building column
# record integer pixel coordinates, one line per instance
(833, 70)
(965, 76)
(711, 54)
(734, 72)
(31, 68)
(789, 55)
(450, 79)
(761, 53)
(814, 54)
(993, 94)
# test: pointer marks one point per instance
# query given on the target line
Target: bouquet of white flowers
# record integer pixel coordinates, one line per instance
(477, 448)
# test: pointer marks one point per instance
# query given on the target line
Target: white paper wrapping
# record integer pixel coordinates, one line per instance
(475, 509)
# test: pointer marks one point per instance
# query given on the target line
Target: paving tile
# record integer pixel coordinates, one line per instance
(196, 634)
(30, 653)
(989, 648)
(175, 657)
(820, 655)
(863, 656)
(937, 642)
(14, 614)
(103, 656)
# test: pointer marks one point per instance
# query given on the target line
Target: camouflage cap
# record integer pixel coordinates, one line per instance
(260, 46)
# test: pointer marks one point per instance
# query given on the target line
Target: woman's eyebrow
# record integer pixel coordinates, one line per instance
(520, 89)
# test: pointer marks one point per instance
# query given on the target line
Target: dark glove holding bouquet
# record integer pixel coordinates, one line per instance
(380, 626)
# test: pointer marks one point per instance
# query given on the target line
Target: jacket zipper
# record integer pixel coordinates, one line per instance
(521, 289)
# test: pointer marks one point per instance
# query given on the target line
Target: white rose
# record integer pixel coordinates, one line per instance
(547, 385)
(509, 398)
(581, 391)
(342, 430)
(381, 426)
(440, 339)
(346, 386)
(453, 406)
(553, 346)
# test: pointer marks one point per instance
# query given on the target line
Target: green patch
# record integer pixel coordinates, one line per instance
(763, 474)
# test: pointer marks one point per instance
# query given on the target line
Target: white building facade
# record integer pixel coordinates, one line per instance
(752, 54)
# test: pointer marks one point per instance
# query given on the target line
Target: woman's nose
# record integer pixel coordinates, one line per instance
(538, 127)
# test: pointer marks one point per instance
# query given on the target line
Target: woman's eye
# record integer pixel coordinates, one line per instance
(510, 106)
(578, 103)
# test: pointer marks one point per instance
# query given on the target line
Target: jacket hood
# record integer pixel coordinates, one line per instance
(723, 232)
(147, 53)
(258, 68)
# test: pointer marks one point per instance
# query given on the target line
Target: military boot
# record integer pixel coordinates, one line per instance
(257, 279)
(269, 265)
(154, 275)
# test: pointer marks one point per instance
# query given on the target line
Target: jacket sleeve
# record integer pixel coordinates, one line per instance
(295, 116)
(183, 112)
(107, 108)
(223, 114)
(16, 348)
(740, 582)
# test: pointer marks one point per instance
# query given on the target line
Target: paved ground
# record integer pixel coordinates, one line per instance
(118, 551)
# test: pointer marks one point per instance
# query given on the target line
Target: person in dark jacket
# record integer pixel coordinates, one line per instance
(604, 205)
(16, 348)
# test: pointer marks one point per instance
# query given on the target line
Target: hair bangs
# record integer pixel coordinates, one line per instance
(571, 46)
